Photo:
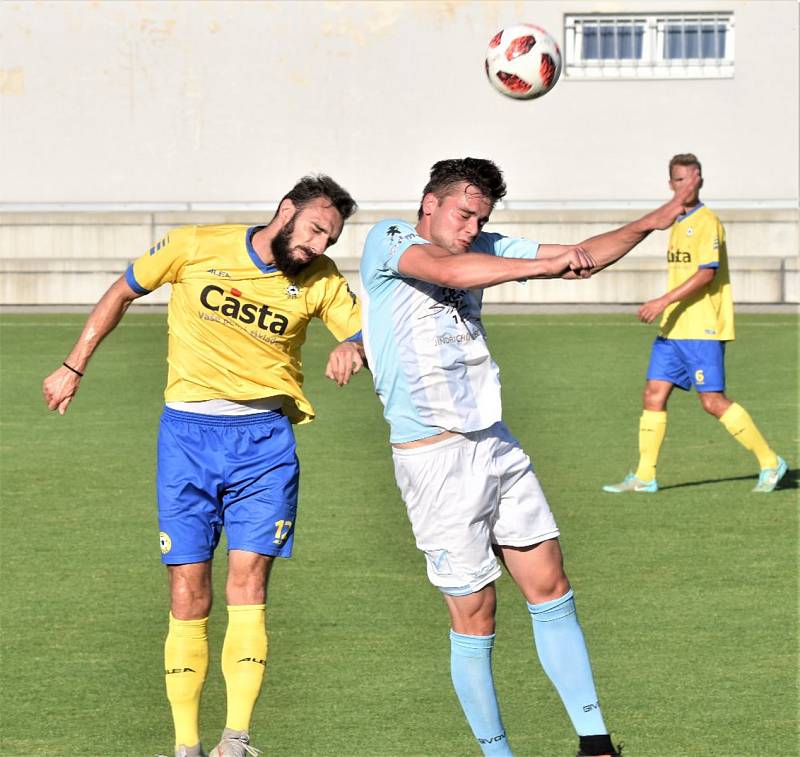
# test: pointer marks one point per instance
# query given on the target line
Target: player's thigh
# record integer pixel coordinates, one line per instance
(667, 364)
(451, 497)
(523, 516)
(262, 484)
(705, 362)
(188, 480)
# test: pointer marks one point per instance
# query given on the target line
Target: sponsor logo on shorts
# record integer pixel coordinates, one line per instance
(164, 542)
(440, 562)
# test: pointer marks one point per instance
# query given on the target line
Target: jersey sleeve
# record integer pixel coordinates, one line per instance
(711, 237)
(386, 243)
(505, 247)
(338, 308)
(162, 263)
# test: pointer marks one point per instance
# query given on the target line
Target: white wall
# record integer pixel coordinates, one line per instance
(112, 102)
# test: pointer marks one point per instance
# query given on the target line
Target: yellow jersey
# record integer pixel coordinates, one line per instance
(697, 240)
(236, 324)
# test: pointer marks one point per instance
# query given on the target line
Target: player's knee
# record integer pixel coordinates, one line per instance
(190, 590)
(714, 404)
(653, 399)
(473, 625)
(549, 587)
(190, 603)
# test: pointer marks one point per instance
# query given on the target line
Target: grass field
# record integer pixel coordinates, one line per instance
(688, 599)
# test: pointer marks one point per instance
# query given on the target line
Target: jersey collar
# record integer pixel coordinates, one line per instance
(695, 208)
(257, 261)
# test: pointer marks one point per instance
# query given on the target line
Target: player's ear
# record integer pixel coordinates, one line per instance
(286, 210)
(429, 202)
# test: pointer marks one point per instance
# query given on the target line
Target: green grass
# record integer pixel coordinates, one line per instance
(688, 599)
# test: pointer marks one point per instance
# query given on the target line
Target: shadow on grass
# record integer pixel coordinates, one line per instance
(789, 481)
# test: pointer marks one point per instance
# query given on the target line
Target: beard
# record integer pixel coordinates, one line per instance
(282, 251)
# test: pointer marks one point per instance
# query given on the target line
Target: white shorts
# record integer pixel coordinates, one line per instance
(465, 494)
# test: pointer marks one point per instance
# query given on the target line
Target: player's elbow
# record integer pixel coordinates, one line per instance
(707, 274)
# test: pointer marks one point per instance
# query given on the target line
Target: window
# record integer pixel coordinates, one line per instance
(649, 45)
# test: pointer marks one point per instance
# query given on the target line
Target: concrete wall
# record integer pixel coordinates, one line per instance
(71, 258)
(115, 101)
(122, 118)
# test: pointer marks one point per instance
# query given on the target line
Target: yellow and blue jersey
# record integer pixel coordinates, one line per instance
(236, 324)
(697, 240)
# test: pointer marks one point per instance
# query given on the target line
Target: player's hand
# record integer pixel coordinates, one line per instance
(345, 360)
(59, 388)
(664, 217)
(651, 309)
(575, 263)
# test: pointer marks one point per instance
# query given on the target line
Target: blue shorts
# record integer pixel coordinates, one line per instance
(238, 472)
(684, 362)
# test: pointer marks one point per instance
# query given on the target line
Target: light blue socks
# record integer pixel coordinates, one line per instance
(471, 671)
(562, 652)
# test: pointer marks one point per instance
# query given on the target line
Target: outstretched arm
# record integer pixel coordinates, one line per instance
(61, 385)
(470, 270)
(609, 247)
(651, 309)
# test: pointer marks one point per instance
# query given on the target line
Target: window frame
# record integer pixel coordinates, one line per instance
(654, 63)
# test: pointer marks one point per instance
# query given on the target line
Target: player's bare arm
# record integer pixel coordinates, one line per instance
(651, 309)
(471, 270)
(345, 360)
(61, 385)
(609, 247)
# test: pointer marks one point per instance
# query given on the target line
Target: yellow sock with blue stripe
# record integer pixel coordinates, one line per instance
(652, 429)
(740, 426)
(244, 658)
(186, 665)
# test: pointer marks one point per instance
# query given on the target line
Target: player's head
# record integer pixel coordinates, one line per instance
(458, 200)
(310, 218)
(680, 168)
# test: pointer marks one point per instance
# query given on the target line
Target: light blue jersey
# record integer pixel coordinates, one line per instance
(425, 343)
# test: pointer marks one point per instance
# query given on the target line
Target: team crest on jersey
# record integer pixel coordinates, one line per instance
(689, 231)
(164, 542)
(293, 291)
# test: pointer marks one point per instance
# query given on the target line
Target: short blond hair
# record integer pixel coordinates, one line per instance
(685, 159)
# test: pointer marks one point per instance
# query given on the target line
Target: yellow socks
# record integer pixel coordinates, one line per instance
(244, 658)
(741, 427)
(186, 664)
(652, 428)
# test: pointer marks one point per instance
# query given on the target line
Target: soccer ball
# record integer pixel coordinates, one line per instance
(523, 61)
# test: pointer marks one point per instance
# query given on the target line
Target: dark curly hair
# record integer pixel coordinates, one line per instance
(318, 185)
(482, 174)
